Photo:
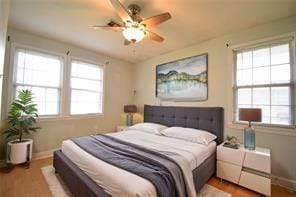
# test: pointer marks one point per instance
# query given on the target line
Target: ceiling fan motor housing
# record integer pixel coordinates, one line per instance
(134, 9)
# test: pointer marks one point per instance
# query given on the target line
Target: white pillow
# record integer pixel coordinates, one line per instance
(148, 127)
(189, 134)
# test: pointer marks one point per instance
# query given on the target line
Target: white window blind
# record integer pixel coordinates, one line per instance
(264, 80)
(41, 73)
(86, 88)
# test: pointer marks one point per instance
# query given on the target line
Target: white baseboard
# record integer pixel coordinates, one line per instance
(44, 154)
(284, 182)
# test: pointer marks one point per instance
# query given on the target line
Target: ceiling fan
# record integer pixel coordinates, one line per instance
(134, 28)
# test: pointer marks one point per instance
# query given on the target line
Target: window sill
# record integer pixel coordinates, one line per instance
(271, 129)
(70, 117)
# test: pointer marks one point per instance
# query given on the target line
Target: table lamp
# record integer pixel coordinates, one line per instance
(250, 115)
(129, 109)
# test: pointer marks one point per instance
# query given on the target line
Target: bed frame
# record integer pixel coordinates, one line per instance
(206, 118)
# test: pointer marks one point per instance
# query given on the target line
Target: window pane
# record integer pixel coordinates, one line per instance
(261, 57)
(247, 59)
(40, 95)
(261, 96)
(84, 70)
(244, 96)
(20, 58)
(280, 96)
(52, 100)
(280, 74)
(261, 75)
(84, 102)
(280, 54)
(244, 77)
(20, 75)
(239, 61)
(280, 115)
(38, 69)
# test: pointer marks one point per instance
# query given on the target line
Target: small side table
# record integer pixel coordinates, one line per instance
(248, 168)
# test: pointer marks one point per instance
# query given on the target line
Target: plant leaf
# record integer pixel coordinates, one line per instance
(22, 115)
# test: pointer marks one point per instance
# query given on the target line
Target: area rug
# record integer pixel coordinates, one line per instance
(59, 189)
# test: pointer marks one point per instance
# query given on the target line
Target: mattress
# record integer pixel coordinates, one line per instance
(118, 182)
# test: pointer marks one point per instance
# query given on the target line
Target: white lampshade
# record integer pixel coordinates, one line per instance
(133, 34)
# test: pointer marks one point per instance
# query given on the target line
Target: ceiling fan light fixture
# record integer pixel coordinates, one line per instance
(134, 34)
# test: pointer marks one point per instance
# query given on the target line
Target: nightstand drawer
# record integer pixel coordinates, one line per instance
(229, 155)
(228, 171)
(260, 162)
(255, 182)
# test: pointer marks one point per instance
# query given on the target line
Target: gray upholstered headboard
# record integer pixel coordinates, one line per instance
(206, 118)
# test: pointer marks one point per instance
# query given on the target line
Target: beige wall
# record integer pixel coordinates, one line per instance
(281, 141)
(118, 92)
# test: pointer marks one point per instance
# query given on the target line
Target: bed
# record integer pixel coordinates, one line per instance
(69, 161)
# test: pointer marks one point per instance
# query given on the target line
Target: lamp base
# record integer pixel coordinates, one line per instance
(249, 138)
(129, 119)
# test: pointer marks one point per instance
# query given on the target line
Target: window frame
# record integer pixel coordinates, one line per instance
(290, 40)
(102, 66)
(65, 89)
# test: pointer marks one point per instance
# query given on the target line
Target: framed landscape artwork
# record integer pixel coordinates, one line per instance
(183, 80)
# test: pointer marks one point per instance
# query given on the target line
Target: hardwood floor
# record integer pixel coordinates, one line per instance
(20, 182)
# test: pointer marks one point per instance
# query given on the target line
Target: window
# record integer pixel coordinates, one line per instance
(86, 88)
(40, 73)
(62, 86)
(263, 79)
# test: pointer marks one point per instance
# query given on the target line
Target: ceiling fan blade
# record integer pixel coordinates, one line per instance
(154, 36)
(121, 10)
(108, 28)
(155, 20)
(126, 42)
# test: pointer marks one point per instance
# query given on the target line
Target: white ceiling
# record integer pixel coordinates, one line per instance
(192, 21)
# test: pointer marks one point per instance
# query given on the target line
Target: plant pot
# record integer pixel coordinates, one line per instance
(19, 152)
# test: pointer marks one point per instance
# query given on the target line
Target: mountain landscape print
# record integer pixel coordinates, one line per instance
(183, 80)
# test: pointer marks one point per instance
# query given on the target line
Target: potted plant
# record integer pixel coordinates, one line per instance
(22, 119)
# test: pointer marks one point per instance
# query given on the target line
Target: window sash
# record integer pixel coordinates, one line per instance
(43, 87)
(289, 84)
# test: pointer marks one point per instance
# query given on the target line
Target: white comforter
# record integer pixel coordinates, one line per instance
(118, 182)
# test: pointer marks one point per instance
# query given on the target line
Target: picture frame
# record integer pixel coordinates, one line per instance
(183, 80)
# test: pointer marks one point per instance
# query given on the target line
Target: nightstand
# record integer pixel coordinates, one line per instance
(121, 128)
(248, 168)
